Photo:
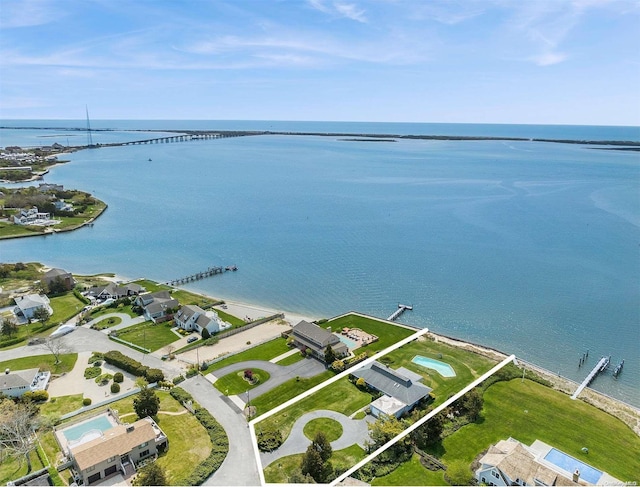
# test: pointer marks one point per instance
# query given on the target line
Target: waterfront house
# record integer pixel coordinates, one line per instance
(114, 291)
(15, 384)
(27, 305)
(401, 389)
(158, 306)
(510, 462)
(32, 216)
(117, 450)
(191, 317)
(316, 339)
(54, 275)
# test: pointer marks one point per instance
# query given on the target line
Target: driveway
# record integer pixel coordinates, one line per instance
(308, 367)
(126, 321)
(353, 431)
(239, 467)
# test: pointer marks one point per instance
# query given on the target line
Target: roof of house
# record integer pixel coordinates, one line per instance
(18, 378)
(31, 301)
(316, 336)
(116, 441)
(161, 305)
(388, 405)
(392, 383)
(55, 273)
(186, 312)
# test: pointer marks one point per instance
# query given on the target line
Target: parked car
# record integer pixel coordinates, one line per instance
(192, 339)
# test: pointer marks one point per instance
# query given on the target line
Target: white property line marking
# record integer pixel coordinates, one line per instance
(320, 386)
(419, 423)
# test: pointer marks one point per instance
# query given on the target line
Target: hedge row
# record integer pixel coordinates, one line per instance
(132, 366)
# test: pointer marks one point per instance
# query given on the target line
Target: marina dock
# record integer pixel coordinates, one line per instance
(602, 364)
(401, 309)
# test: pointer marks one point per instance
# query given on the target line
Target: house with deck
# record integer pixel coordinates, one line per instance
(158, 306)
(28, 304)
(115, 291)
(15, 384)
(192, 317)
(316, 339)
(401, 389)
(54, 275)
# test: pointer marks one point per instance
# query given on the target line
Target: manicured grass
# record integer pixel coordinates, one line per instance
(65, 307)
(149, 335)
(411, 473)
(11, 468)
(107, 322)
(330, 427)
(234, 383)
(341, 396)
(387, 333)
(528, 411)
(152, 286)
(27, 331)
(61, 405)
(189, 445)
(280, 470)
(266, 351)
(46, 362)
(233, 320)
(291, 359)
(467, 365)
(50, 446)
(105, 311)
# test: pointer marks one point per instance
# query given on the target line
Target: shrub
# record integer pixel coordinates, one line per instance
(103, 379)
(86, 401)
(92, 372)
(191, 372)
(269, 440)
(205, 334)
(125, 363)
(118, 377)
(338, 365)
(177, 380)
(154, 375)
(115, 388)
(35, 396)
(180, 395)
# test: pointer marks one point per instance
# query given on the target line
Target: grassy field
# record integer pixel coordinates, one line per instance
(61, 405)
(152, 286)
(45, 362)
(291, 359)
(280, 470)
(233, 320)
(387, 333)
(234, 383)
(65, 307)
(11, 468)
(411, 473)
(98, 312)
(28, 331)
(330, 427)
(107, 322)
(149, 335)
(266, 351)
(341, 396)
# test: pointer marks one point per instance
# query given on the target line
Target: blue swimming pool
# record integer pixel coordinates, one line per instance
(348, 342)
(444, 369)
(74, 433)
(570, 464)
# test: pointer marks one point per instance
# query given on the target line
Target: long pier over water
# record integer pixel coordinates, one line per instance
(602, 364)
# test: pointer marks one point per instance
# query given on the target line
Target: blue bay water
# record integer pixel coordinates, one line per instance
(528, 247)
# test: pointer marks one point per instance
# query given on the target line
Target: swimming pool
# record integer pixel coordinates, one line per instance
(348, 342)
(74, 433)
(444, 369)
(570, 464)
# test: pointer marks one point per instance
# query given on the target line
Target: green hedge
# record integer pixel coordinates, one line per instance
(92, 372)
(219, 450)
(11, 341)
(132, 366)
(180, 395)
(77, 294)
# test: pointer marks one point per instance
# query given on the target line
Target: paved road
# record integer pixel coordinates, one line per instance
(353, 431)
(239, 467)
(279, 374)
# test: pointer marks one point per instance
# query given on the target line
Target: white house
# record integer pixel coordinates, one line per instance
(510, 462)
(193, 317)
(15, 384)
(28, 304)
(33, 217)
(157, 306)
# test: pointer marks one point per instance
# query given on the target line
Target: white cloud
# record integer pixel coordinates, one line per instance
(351, 11)
(29, 13)
(549, 58)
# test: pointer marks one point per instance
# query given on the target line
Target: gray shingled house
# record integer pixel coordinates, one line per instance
(317, 339)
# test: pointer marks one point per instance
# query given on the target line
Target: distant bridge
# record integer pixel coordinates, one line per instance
(177, 138)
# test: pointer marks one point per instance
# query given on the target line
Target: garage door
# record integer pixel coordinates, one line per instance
(110, 470)
(94, 478)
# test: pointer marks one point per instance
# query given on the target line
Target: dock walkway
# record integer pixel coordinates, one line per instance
(602, 364)
(401, 309)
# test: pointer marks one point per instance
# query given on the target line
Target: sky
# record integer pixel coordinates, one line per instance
(457, 61)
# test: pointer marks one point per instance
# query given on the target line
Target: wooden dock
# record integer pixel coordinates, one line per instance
(602, 364)
(401, 309)
(211, 271)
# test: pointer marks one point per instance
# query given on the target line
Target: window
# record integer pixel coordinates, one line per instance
(483, 480)
(495, 474)
(111, 460)
(90, 469)
(144, 453)
(143, 445)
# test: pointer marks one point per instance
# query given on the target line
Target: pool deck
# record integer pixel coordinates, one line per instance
(62, 439)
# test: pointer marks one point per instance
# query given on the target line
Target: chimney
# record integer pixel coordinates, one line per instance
(576, 476)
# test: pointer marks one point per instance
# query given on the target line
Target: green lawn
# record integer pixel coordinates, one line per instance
(27, 331)
(266, 351)
(341, 396)
(11, 468)
(45, 362)
(291, 359)
(105, 311)
(149, 335)
(528, 411)
(330, 427)
(280, 470)
(467, 365)
(233, 320)
(152, 286)
(65, 307)
(61, 405)
(387, 333)
(107, 322)
(411, 473)
(234, 383)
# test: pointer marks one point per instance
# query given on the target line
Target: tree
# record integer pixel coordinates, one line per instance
(9, 327)
(322, 446)
(329, 355)
(151, 474)
(297, 477)
(205, 334)
(42, 315)
(312, 464)
(430, 432)
(382, 431)
(471, 404)
(57, 346)
(17, 430)
(146, 403)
